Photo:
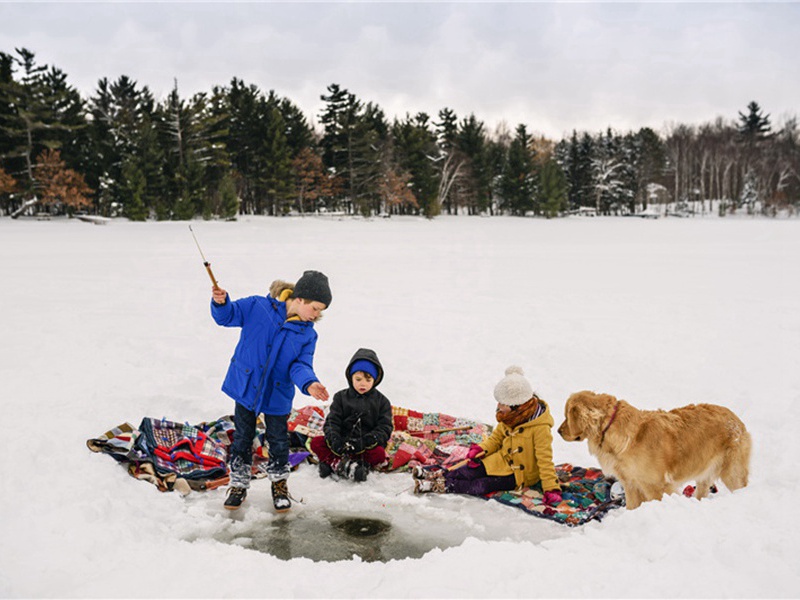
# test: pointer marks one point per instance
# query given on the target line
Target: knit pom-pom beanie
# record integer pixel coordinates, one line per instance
(513, 389)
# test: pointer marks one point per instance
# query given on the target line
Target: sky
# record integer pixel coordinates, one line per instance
(554, 67)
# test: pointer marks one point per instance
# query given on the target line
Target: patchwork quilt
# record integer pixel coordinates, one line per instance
(586, 495)
(418, 438)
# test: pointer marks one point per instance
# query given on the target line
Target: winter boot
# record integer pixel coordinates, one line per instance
(325, 470)
(240, 472)
(346, 468)
(430, 472)
(236, 496)
(280, 496)
(430, 486)
(360, 471)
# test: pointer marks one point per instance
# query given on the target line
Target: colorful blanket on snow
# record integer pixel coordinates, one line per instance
(418, 438)
(586, 493)
(162, 451)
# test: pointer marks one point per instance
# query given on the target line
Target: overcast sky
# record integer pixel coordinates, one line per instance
(553, 66)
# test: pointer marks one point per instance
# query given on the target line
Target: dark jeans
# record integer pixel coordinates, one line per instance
(476, 482)
(277, 437)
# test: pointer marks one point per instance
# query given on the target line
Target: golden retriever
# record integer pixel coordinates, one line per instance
(653, 452)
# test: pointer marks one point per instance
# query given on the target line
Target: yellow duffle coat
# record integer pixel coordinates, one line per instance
(525, 450)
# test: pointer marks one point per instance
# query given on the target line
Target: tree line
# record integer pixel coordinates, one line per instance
(238, 150)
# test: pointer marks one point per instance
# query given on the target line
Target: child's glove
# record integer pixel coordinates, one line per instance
(552, 498)
(370, 440)
(474, 451)
(335, 443)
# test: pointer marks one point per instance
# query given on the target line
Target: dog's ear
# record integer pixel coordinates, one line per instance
(595, 408)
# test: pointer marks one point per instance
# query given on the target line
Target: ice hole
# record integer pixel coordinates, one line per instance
(337, 536)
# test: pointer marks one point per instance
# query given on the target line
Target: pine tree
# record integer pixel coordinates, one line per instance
(649, 161)
(123, 131)
(552, 189)
(228, 206)
(354, 139)
(754, 126)
(416, 153)
(477, 179)
(299, 135)
(518, 181)
(258, 148)
(132, 190)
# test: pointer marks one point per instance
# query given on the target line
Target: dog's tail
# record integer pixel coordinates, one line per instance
(736, 464)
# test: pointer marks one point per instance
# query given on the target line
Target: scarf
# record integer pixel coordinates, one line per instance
(521, 414)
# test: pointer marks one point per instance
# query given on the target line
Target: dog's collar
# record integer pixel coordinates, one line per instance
(613, 416)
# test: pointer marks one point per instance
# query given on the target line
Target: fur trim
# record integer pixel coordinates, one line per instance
(277, 287)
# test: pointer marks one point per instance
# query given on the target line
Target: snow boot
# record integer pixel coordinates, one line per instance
(430, 472)
(236, 496)
(346, 468)
(325, 470)
(430, 486)
(360, 471)
(280, 496)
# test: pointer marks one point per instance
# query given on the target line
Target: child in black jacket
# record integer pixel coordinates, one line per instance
(359, 423)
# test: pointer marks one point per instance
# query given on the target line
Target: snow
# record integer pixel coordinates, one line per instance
(104, 325)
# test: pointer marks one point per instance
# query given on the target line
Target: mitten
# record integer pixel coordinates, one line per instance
(474, 451)
(552, 497)
(370, 440)
(335, 443)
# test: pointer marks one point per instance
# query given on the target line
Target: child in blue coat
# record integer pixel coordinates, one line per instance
(275, 353)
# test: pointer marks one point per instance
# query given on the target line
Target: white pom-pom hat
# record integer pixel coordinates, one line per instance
(513, 389)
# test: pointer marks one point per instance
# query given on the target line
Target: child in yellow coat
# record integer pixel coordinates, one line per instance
(518, 453)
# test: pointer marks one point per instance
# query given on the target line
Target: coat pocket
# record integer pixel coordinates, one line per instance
(237, 380)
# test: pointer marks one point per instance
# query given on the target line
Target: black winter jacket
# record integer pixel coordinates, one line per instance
(359, 422)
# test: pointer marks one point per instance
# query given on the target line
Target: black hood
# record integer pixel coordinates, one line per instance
(365, 354)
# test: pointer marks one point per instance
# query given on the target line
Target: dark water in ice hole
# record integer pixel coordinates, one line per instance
(338, 536)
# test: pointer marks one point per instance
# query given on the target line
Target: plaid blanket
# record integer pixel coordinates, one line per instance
(164, 452)
(586, 496)
(183, 449)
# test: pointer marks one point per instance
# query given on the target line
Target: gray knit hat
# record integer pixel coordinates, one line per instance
(313, 286)
(513, 389)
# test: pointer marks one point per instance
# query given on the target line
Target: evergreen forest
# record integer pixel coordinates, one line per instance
(237, 149)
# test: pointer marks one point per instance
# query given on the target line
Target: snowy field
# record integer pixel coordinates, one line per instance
(107, 324)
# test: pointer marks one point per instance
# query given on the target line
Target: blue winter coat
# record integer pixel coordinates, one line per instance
(273, 355)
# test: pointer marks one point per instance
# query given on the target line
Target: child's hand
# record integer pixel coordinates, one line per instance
(475, 451)
(317, 391)
(218, 295)
(335, 443)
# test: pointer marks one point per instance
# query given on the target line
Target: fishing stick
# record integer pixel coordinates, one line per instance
(461, 463)
(206, 264)
(438, 431)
